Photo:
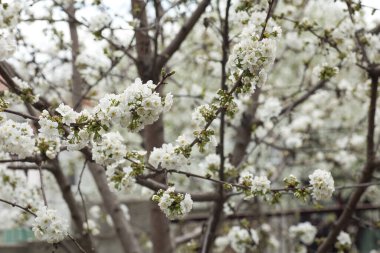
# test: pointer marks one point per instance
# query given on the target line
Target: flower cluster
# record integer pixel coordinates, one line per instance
(211, 164)
(99, 21)
(120, 176)
(137, 106)
(48, 226)
(322, 184)
(174, 205)
(304, 232)
(48, 142)
(171, 156)
(112, 153)
(69, 116)
(48, 128)
(240, 239)
(252, 57)
(91, 227)
(7, 45)
(325, 72)
(10, 13)
(17, 138)
(26, 91)
(258, 185)
(79, 135)
(201, 116)
(15, 188)
(110, 149)
(271, 107)
(344, 242)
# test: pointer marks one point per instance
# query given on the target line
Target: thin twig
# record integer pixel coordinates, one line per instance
(25, 209)
(26, 116)
(42, 185)
(81, 195)
(77, 244)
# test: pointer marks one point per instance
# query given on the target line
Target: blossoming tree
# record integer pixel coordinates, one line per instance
(223, 114)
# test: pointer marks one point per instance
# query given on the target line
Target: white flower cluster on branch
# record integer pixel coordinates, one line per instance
(252, 57)
(9, 16)
(322, 184)
(49, 226)
(305, 232)
(110, 149)
(174, 205)
(258, 185)
(137, 106)
(7, 45)
(167, 157)
(240, 239)
(16, 138)
(344, 242)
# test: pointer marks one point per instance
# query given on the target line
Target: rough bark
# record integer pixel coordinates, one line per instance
(75, 78)
(86, 241)
(244, 131)
(122, 227)
(153, 135)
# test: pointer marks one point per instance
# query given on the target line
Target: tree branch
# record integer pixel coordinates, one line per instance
(366, 176)
(182, 34)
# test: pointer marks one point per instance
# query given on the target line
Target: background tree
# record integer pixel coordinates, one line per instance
(242, 112)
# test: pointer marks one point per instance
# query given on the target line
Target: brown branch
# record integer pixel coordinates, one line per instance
(6, 73)
(366, 176)
(42, 185)
(182, 34)
(244, 130)
(25, 116)
(153, 135)
(143, 44)
(75, 75)
(217, 210)
(155, 186)
(304, 97)
(123, 228)
(200, 217)
(163, 79)
(25, 209)
(75, 212)
(77, 244)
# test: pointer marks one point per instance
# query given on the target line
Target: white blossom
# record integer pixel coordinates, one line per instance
(137, 106)
(7, 45)
(48, 128)
(260, 184)
(322, 184)
(119, 176)
(241, 239)
(252, 57)
(49, 226)
(167, 157)
(91, 227)
(17, 138)
(305, 232)
(270, 108)
(10, 13)
(174, 205)
(69, 116)
(110, 149)
(344, 239)
(99, 21)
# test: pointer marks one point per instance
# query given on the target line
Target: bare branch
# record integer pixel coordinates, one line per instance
(182, 34)
(366, 176)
